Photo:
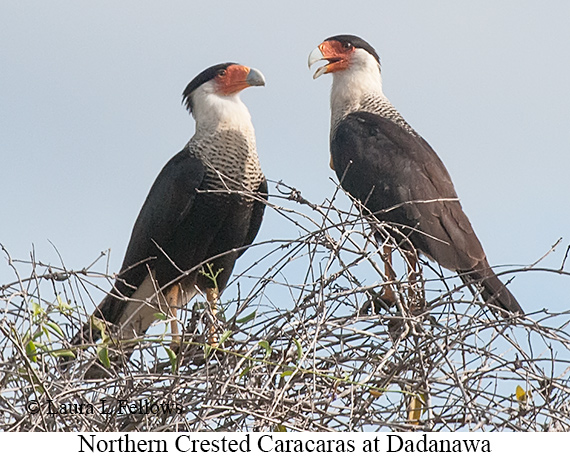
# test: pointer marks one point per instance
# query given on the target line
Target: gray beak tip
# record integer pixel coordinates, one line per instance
(255, 78)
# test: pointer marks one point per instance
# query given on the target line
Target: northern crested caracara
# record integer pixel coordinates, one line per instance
(202, 212)
(383, 162)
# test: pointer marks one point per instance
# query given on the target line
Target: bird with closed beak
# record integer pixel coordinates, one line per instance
(203, 211)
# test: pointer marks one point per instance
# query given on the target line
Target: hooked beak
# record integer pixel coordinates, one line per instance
(255, 78)
(238, 78)
(315, 56)
(332, 51)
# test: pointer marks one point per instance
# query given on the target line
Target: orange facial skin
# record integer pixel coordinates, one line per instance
(337, 54)
(233, 79)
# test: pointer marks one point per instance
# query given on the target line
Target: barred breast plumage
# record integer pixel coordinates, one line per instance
(230, 158)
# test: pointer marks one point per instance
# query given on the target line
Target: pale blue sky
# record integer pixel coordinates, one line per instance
(90, 110)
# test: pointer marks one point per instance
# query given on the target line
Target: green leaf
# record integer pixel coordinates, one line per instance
(280, 428)
(224, 337)
(265, 345)
(56, 328)
(27, 336)
(37, 310)
(99, 325)
(103, 355)
(45, 330)
(63, 353)
(33, 379)
(39, 332)
(299, 349)
(173, 359)
(288, 371)
(247, 318)
(244, 372)
(210, 273)
(63, 307)
(31, 351)
(221, 314)
(160, 316)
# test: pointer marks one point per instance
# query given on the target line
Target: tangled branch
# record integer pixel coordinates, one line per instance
(304, 342)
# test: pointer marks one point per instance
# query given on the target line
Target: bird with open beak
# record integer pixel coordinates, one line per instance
(383, 162)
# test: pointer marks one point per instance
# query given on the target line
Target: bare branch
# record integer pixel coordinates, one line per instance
(301, 351)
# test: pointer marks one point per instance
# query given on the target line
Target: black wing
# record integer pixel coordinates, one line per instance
(168, 202)
(256, 214)
(402, 180)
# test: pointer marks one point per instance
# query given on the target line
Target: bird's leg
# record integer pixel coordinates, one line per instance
(212, 295)
(388, 295)
(416, 292)
(172, 300)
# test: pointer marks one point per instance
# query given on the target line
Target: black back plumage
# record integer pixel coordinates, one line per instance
(401, 180)
(182, 223)
(204, 208)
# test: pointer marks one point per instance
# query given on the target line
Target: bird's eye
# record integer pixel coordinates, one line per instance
(347, 45)
(222, 73)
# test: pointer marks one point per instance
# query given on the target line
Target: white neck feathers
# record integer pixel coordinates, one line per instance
(213, 111)
(351, 86)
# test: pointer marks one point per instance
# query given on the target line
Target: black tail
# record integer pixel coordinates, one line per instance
(109, 310)
(493, 290)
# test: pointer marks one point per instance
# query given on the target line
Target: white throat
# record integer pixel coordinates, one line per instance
(351, 87)
(213, 111)
(359, 88)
